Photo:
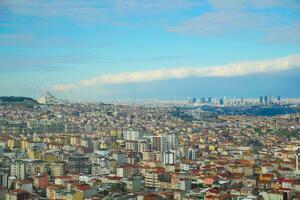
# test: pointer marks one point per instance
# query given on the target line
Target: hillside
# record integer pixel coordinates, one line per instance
(13, 99)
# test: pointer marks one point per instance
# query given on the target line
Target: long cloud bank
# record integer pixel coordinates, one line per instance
(229, 70)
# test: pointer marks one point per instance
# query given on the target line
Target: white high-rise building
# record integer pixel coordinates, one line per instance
(131, 146)
(191, 153)
(169, 142)
(168, 158)
(143, 146)
(47, 99)
(18, 170)
(131, 135)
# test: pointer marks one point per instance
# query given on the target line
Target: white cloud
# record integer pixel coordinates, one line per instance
(229, 70)
(288, 33)
(249, 16)
(93, 11)
(220, 22)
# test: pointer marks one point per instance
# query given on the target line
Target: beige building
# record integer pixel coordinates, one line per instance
(57, 169)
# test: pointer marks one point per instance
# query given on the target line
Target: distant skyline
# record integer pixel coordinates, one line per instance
(149, 49)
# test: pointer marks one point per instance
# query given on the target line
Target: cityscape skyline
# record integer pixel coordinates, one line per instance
(149, 99)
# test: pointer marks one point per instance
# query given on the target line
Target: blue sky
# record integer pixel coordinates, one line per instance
(120, 49)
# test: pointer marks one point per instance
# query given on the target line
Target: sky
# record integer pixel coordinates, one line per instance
(99, 50)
